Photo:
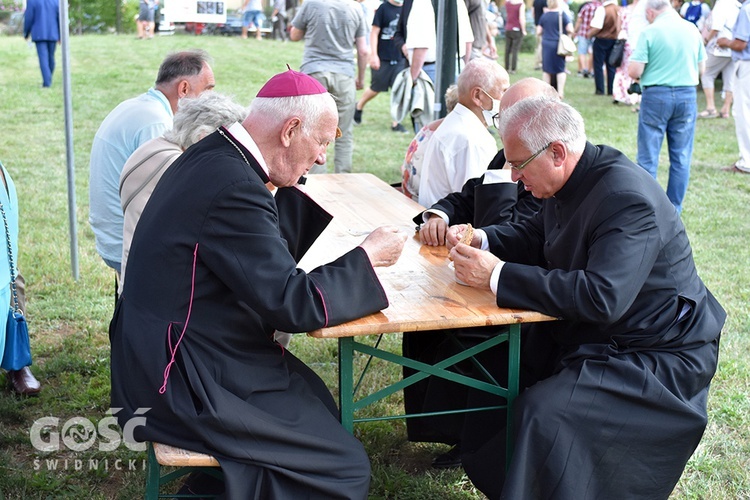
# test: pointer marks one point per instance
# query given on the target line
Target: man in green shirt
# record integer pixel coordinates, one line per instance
(668, 60)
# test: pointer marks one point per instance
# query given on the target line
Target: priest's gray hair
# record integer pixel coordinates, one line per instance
(539, 120)
(274, 111)
(196, 117)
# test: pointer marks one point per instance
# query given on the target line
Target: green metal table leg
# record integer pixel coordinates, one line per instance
(152, 475)
(346, 382)
(514, 366)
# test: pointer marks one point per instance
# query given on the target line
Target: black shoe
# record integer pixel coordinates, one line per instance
(23, 382)
(598, 93)
(358, 116)
(200, 483)
(448, 460)
(398, 128)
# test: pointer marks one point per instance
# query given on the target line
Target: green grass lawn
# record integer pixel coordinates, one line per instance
(69, 319)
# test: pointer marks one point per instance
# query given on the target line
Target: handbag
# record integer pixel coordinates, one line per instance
(17, 352)
(617, 53)
(565, 45)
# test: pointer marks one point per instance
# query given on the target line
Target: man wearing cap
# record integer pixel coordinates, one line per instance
(331, 28)
(212, 273)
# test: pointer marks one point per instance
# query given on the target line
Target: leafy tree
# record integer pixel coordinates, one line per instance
(101, 16)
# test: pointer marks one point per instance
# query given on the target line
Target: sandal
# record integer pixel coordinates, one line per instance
(723, 115)
(708, 113)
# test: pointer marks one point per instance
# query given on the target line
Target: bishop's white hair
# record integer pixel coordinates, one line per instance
(309, 108)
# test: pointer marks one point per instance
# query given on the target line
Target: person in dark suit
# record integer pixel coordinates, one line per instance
(613, 403)
(490, 199)
(212, 274)
(41, 21)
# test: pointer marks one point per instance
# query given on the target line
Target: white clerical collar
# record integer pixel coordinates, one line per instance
(240, 133)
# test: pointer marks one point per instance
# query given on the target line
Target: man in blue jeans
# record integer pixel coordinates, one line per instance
(603, 31)
(668, 60)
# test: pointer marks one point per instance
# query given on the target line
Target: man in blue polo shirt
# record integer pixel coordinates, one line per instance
(132, 123)
(668, 60)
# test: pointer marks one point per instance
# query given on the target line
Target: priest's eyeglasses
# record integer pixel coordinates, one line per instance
(523, 165)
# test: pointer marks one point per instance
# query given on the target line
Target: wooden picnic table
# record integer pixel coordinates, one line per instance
(421, 289)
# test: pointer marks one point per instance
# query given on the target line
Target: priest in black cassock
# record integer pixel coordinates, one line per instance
(213, 273)
(613, 401)
(490, 199)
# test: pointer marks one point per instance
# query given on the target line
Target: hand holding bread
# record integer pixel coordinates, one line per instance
(462, 233)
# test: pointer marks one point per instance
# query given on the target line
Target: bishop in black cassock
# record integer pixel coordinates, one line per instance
(212, 274)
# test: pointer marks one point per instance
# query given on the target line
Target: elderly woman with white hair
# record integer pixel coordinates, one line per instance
(195, 118)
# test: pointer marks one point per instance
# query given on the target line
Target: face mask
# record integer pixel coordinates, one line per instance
(490, 114)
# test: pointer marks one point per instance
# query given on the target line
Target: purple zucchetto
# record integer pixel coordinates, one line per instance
(291, 83)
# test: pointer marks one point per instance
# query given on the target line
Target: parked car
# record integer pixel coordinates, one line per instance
(196, 28)
(232, 26)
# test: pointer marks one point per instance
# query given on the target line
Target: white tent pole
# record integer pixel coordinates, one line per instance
(68, 104)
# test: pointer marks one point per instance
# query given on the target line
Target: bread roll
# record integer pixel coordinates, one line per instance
(468, 235)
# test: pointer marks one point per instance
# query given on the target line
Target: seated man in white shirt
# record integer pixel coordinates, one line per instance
(490, 199)
(462, 147)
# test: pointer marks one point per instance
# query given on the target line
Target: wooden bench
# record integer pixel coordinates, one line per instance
(186, 461)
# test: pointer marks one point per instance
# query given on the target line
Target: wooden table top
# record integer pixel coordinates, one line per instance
(421, 288)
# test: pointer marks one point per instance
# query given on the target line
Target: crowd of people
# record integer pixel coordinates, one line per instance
(600, 25)
(199, 199)
(599, 29)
